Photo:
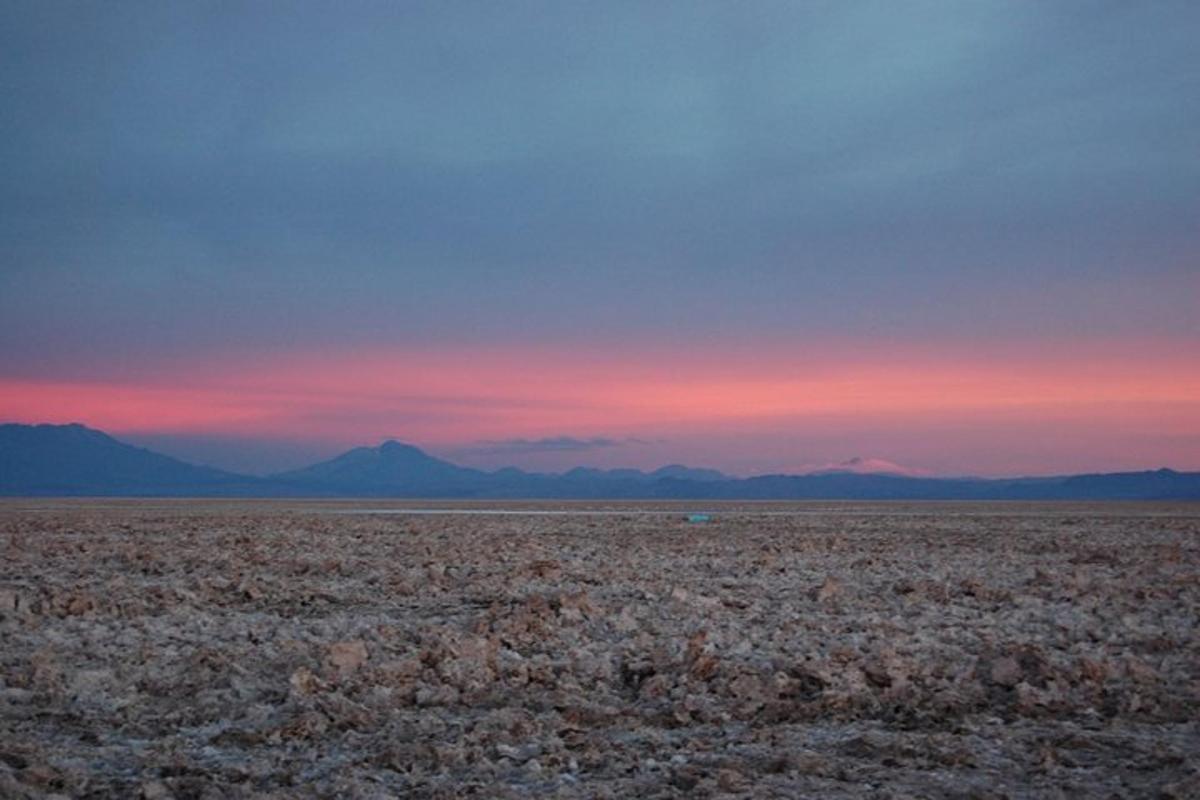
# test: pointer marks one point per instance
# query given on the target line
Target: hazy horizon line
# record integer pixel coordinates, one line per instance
(849, 465)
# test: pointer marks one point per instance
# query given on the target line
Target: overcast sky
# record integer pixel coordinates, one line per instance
(191, 193)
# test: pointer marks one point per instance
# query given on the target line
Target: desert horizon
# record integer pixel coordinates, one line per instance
(66, 460)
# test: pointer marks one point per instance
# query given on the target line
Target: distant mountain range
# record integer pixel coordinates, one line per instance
(61, 460)
(76, 460)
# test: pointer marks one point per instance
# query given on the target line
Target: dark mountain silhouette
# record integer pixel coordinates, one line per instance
(392, 469)
(669, 471)
(1161, 484)
(76, 460)
(680, 472)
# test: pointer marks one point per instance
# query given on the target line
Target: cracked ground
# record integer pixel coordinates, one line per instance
(215, 649)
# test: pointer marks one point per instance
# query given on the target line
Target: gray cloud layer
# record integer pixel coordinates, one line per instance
(549, 444)
(186, 176)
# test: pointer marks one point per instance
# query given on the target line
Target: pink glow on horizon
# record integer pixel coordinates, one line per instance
(452, 397)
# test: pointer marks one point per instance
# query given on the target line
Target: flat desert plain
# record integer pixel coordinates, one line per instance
(209, 649)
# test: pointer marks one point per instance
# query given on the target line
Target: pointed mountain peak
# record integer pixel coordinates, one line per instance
(393, 466)
(392, 447)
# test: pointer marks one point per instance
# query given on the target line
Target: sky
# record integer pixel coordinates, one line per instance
(949, 237)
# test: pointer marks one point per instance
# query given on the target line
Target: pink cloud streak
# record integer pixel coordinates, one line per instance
(451, 396)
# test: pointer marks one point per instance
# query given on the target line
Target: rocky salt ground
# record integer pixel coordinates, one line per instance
(261, 650)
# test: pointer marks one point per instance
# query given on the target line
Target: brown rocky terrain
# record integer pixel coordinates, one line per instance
(209, 650)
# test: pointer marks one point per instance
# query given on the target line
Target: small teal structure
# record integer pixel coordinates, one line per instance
(699, 518)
